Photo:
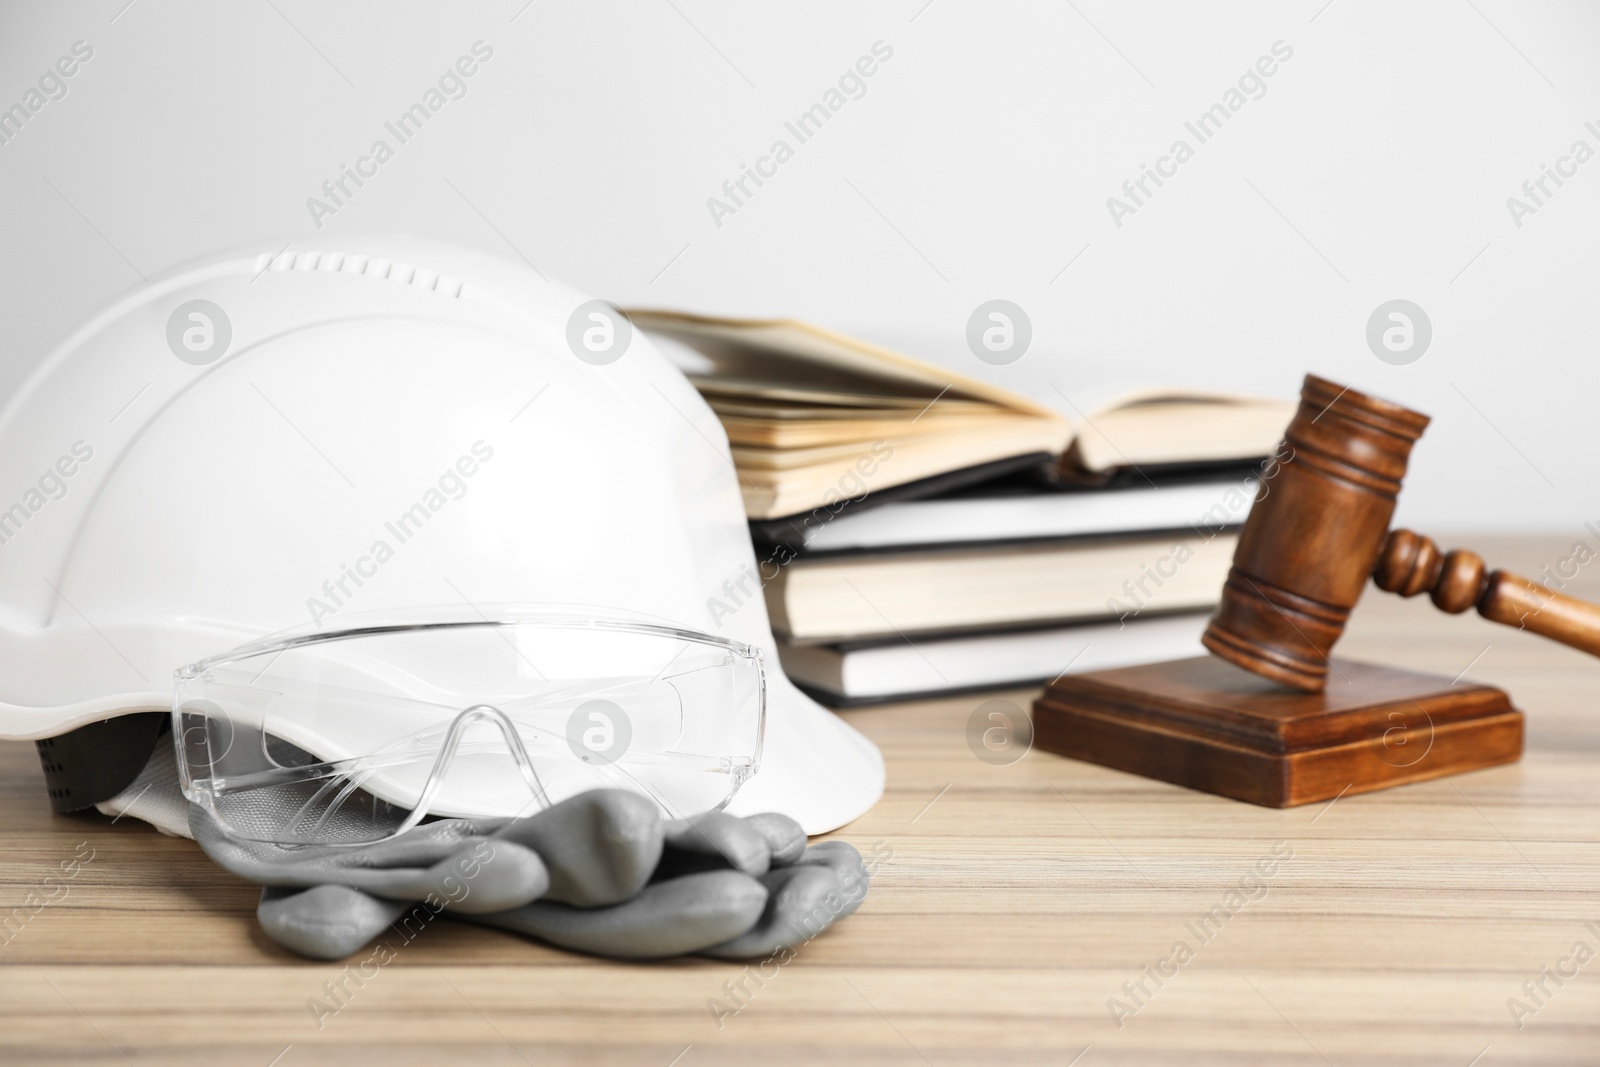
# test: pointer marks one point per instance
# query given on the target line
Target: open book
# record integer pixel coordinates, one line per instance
(817, 419)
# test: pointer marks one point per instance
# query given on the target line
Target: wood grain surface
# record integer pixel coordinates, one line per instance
(1017, 902)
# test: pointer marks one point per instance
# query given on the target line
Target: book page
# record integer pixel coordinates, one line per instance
(798, 355)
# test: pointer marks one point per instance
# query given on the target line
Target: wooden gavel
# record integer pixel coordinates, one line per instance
(1320, 527)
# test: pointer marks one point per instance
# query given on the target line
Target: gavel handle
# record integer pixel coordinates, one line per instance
(1410, 563)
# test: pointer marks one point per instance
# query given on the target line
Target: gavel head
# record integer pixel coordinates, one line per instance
(1314, 533)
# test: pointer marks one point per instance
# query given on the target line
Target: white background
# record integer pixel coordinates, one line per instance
(977, 166)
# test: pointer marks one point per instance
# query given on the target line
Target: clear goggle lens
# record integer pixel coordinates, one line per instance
(354, 736)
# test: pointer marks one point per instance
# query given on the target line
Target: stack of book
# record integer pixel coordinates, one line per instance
(922, 532)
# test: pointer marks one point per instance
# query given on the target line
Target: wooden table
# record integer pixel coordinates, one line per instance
(1018, 901)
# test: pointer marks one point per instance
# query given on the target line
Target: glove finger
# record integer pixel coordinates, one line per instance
(325, 922)
(715, 839)
(488, 876)
(802, 901)
(268, 864)
(421, 846)
(845, 861)
(665, 919)
(600, 847)
(441, 861)
(785, 839)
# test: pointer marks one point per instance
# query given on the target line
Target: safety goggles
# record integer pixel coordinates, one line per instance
(356, 735)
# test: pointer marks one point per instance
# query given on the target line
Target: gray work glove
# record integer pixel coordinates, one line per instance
(600, 873)
(726, 887)
(451, 862)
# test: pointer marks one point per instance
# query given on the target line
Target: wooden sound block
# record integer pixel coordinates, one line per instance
(1206, 724)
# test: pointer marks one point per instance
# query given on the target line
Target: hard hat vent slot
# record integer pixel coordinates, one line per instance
(410, 274)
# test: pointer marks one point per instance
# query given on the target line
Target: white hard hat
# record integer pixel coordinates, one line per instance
(217, 457)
